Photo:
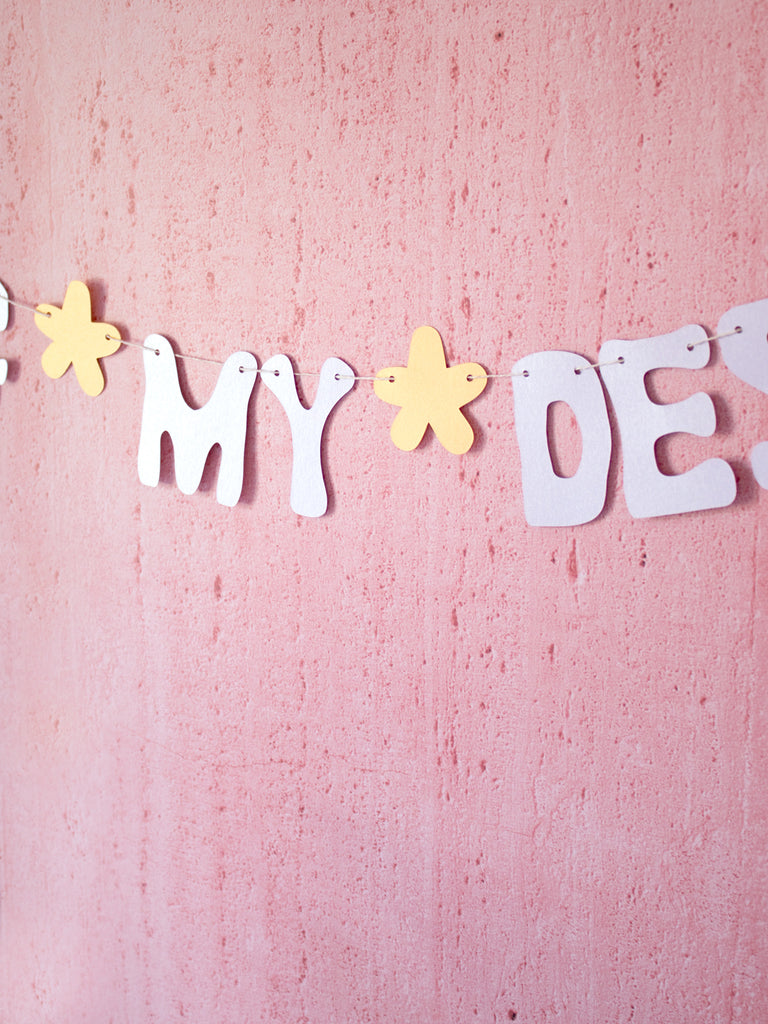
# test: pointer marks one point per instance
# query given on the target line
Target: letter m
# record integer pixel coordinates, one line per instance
(194, 432)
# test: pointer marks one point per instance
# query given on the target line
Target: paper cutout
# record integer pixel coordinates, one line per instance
(549, 499)
(308, 493)
(194, 432)
(75, 339)
(648, 491)
(430, 394)
(4, 310)
(5, 307)
(759, 458)
(746, 355)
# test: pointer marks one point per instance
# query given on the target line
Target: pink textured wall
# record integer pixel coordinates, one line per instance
(414, 761)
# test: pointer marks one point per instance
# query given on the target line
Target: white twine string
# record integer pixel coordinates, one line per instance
(23, 305)
(595, 366)
(351, 376)
(715, 337)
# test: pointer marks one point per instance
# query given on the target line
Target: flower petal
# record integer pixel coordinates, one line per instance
(454, 432)
(408, 428)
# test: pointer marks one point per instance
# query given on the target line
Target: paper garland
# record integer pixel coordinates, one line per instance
(430, 393)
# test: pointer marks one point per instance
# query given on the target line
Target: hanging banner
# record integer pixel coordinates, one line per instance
(430, 394)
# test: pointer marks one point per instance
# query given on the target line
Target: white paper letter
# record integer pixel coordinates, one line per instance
(308, 493)
(549, 499)
(746, 355)
(4, 307)
(648, 491)
(194, 432)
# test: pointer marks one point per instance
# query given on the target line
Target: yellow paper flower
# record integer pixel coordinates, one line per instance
(430, 394)
(75, 339)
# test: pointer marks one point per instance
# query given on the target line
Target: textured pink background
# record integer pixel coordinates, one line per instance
(415, 761)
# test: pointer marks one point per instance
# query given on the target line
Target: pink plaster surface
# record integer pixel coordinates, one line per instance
(415, 761)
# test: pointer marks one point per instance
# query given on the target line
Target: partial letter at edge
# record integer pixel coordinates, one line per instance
(4, 311)
(746, 354)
